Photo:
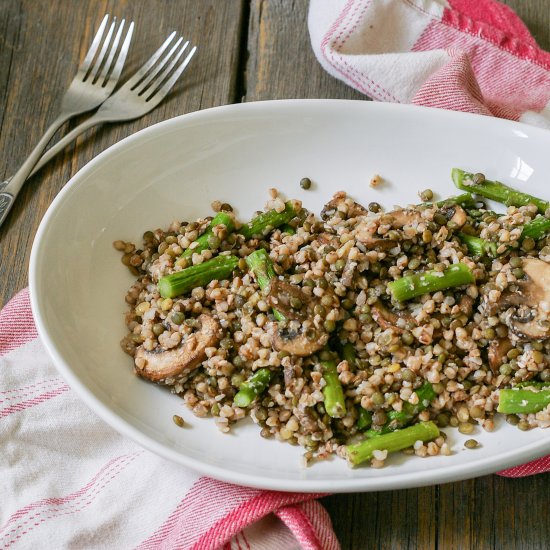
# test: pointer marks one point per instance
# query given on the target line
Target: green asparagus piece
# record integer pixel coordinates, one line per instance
(365, 419)
(252, 388)
(335, 403)
(523, 401)
(191, 277)
(536, 229)
(391, 442)
(478, 246)
(288, 229)
(267, 221)
(261, 265)
(496, 191)
(465, 200)
(533, 384)
(205, 239)
(399, 419)
(421, 283)
(349, 354)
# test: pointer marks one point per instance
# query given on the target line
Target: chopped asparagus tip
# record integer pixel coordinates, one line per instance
(217, 268)
(261, 266)
(478, 246)
(349, 354)
(252, 388)
(205, 239)
(496, 191)
(523, 401)
(288, 229)
(267, 221)
(425, 282)
(536, 229)
(364, 419)
(391, 442)
(335, 402)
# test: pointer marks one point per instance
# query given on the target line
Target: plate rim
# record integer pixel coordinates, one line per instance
(125, 428)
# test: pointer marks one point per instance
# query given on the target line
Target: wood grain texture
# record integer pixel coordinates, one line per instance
(41, 45)
(250, 50)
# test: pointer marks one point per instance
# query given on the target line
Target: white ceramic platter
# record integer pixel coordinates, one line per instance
(174, 170)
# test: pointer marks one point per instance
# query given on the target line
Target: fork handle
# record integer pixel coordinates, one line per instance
(10, 189)
(65, 140)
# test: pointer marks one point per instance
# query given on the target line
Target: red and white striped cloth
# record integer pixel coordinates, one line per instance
(467, 55)
(67, 480)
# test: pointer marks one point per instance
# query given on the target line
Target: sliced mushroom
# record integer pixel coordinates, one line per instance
(353, 211)
(529, 318)
(166, 366)
(388, 319)
(454, 213)
(301, 343)
(307, 339)
(497, 351)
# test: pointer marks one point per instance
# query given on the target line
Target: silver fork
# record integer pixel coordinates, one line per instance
(93, 84)
(139, 95)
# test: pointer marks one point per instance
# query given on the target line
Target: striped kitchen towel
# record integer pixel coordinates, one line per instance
(67, 480)
(467, 55)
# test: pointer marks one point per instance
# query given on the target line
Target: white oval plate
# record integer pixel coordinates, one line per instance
(174, 170)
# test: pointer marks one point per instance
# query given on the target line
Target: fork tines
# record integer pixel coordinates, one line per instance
(110, 67)
(160, 72)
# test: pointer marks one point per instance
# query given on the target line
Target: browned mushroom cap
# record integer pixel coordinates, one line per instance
(388, 319)
(280, 294)
(497, 351)
(308, 339)
(301, 343)
(167, 365)
(354, 209)
(529, 319)
(454, 213)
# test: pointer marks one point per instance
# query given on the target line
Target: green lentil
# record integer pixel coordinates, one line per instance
(178, 420)
(471, 444)
(305, 183)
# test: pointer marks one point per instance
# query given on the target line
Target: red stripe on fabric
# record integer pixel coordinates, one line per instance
(298, 522)
(245, 514)
(495, 14)
(18, 407)
(16, 323)
(245, 540)
(538, 466)
(26, 391)
(321, 522)
(494, 35)
(77, 501)
(204, 503)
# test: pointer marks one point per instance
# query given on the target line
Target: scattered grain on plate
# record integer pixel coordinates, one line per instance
(375, 181)
(178, 420)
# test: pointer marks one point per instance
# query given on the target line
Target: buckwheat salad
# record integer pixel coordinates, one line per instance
(359, 333)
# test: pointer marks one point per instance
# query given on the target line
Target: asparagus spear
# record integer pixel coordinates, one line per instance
(183, 281)
(478, 246)
(267, 221)
(335, 403)
(253, 387)
(536, 228)
(465, 200)
(523, 401)
(496, 191)
(206, 238)
(398, 419)
(261, 265)
(533, 384)
(394, 441)
(288, 229)
(421, 283)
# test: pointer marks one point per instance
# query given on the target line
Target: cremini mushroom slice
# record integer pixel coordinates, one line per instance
(496, 352)
(302, 343)
(353, 209)
(166, 366)
(305, 340)
(529, 318)
(454, 213)
(388, 319)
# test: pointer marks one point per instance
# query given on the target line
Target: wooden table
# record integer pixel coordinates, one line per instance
(248, 50)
